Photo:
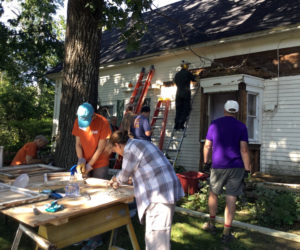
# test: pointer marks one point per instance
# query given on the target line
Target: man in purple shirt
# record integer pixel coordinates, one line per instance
(227, 138)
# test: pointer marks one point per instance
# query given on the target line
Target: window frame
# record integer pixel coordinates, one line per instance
(258, 93)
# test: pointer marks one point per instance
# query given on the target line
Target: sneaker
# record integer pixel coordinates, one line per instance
(227, 238)
(92, 245)
(209, 228)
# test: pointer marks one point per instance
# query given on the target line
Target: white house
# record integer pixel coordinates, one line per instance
(246, 50)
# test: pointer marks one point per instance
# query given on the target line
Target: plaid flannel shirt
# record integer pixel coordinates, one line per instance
(154, 178)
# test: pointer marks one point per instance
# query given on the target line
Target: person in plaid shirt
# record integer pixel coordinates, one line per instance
(156, 186)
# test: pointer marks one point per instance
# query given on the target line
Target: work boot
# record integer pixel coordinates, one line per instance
(227, 238)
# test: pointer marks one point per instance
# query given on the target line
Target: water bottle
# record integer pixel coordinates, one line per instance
(72, 188)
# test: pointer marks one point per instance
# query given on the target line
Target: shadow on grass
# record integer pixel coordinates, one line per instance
(186, 234)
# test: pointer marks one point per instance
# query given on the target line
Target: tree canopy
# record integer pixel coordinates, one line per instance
(85, 21)
(30, 44)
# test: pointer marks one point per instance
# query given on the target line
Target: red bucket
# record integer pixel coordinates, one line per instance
(189, 180)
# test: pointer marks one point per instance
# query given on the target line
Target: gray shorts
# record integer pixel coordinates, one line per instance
(230, 178)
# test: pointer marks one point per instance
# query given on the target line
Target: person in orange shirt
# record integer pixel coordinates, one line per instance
(91, 131)
(28, 153)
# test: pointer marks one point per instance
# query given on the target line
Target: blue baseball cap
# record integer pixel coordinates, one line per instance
(85, 114)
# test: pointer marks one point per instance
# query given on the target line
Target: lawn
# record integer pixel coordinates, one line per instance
(186, 234)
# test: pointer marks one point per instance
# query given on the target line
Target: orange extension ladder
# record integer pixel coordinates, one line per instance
(137, 99)
(160, 113)
(144, 90)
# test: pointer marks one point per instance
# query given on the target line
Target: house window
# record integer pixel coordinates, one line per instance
(106, 111)
(252, 116)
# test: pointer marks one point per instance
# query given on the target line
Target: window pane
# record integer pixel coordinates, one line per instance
(250, 126)
(252, 105)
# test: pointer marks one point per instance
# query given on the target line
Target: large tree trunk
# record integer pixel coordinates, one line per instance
(81, 72)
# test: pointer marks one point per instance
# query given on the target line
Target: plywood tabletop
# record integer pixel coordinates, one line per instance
(92, 199)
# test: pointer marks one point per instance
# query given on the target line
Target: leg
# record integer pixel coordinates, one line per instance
(213, 207)
(158, 226)
(212, 204)
(229, 211)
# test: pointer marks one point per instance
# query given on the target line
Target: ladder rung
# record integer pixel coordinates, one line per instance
(155, 137)
(175, 140)
(157, 117)
(172, 150)
(156, 127)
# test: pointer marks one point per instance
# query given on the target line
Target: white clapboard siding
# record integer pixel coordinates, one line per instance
(280, 151)
(114, 86)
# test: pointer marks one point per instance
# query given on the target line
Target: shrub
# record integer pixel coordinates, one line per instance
(199, 201)
(275, 207)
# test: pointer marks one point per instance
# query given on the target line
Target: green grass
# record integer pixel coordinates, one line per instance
(186, 234)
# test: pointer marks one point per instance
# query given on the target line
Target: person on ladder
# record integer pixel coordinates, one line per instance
(182, 79)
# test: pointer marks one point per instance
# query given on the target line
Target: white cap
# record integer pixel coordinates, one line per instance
(231, 106)
(183, 62)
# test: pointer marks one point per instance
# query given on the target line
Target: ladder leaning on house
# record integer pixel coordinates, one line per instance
(176, 139)
(137, 98)
(141, 89)
(160, 113)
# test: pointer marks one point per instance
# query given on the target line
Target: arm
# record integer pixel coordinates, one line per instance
(78, 148)
(147, 128)
(131, 161)
(30, 160)
(207, 150)
(98, 152)
(245, 155)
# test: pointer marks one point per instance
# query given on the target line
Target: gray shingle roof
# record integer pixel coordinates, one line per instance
(201, 21)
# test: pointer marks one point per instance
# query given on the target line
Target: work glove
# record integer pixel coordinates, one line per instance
(246, 174)
(206, 168)
(80, 168)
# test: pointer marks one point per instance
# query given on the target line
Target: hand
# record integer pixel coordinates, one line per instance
(88, 168)
(114, 183)
(80, 169)
(246, 174)
(206, 168)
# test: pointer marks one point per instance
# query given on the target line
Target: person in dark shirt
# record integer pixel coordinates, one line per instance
(182, 80)
(141, 126)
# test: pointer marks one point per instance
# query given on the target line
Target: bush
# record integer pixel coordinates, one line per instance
(276, 207)
(16, 133)
(199, 201)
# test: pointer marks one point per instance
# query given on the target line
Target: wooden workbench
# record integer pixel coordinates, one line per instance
(99, 210)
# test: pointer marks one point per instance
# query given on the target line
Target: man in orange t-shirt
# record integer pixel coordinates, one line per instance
(28, 153)
(91, 131)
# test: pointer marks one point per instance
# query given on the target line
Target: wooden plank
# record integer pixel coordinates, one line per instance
(13, 196)
(92, 198)
(11, 172)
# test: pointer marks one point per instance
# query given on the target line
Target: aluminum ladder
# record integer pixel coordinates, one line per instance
(176, 139)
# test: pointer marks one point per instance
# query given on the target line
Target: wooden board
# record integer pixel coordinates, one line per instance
(8, 174)
(92, 199)
(13, 196)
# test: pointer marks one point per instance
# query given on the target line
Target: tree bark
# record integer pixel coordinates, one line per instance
(81, 72)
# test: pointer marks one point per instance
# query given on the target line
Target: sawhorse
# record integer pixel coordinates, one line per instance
(76, 229)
